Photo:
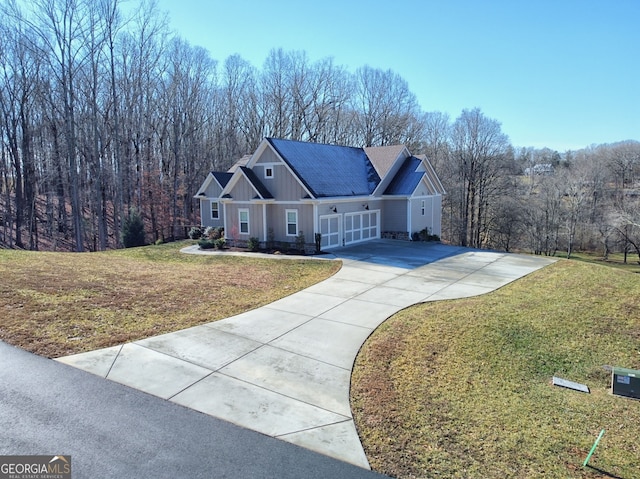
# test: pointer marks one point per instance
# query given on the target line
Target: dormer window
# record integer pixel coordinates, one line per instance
(268, 171)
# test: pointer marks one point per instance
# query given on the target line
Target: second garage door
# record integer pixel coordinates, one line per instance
(361, 226)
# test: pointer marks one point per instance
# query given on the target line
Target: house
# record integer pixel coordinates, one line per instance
(348, 195)
(540, 169)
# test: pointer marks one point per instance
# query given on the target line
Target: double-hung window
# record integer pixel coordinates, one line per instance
(215, 210)
(292, 222)
(243, 216)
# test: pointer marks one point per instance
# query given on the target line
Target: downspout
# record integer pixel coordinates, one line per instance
(409, 217)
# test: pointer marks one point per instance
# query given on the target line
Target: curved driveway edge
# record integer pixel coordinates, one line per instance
(114, 432)
(284, 369)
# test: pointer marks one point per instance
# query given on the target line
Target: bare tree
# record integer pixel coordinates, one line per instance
(479, 150)
(624, 161)
(436, 138)
(276, 90)
(59, 27)
(386, 108)
(542, 216)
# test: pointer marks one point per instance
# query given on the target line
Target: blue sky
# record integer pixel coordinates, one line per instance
(563, 74)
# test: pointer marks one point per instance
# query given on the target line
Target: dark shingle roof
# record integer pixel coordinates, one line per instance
(222, 177)
(329, 170)
(255, 181)
(406, 179)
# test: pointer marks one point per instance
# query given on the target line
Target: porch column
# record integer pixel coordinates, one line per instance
(264, 223)
(409, 217)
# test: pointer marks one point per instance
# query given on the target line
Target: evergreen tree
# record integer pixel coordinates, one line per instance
(133, 230)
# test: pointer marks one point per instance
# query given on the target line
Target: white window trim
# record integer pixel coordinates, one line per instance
(240, 211)
(286, 222)
(217, 210)
(266, 171)
(422, 207)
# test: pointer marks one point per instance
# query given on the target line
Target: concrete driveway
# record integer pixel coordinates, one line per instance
(284, 369)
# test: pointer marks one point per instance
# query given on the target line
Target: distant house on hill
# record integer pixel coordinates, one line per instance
(542, 169)
(346, 194)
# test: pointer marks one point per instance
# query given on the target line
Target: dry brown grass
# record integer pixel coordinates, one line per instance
(55, 304)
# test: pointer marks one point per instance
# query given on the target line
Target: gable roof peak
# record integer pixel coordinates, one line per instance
(241, 162)
(384, 157)
(255, 182)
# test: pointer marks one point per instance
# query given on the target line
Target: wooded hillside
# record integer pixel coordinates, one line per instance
(102, 113)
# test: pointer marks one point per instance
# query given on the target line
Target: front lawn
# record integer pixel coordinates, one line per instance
(55, 304)
(462, 389)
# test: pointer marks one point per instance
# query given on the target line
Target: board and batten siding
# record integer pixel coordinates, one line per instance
(277, 220)
(352, 206)
(436, 229)
(211, 194)
(394, 215)
(242, 191)
(431, 219)
(256, 221)
(283, 186)
(205, 213)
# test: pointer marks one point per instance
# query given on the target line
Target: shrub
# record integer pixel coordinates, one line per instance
(206, 244)
(271, 238)
(213, 232)
(300, 242)
(424, 235)
(195, 233)
(220, 243)
(282, 246)
(234, 235)
(253, 244)
(133, 230)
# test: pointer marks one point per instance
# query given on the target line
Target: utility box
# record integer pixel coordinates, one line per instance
(625, 382)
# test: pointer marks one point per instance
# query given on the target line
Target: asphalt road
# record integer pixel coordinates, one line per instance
(112, 431)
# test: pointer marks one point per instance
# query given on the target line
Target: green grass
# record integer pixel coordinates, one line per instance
(462, 389)
(56, 304)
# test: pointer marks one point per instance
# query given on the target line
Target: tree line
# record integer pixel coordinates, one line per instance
(102, 115)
